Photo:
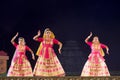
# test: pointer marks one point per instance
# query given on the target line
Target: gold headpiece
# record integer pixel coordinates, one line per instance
(52, 34)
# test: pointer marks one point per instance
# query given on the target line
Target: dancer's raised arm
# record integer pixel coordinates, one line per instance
(36, 36)
(12, 40)
(86, 40)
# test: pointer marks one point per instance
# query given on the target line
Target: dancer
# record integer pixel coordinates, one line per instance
(20, 66)
(95, 65)
(47, 63)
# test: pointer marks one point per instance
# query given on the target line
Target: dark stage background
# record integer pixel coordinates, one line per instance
(71, 21)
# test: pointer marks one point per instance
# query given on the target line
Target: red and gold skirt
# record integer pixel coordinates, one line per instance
(48, 67)
(95, 68)
(23, 69)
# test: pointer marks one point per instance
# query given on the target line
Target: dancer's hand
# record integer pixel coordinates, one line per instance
(90, 34)
(86, 40)
(107, 52)
(16, 34)
(39, 33)
(12, 40)
(33, 57)
(36, 36)
(59, 50)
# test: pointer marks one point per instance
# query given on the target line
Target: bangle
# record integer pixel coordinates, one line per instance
(88, 36)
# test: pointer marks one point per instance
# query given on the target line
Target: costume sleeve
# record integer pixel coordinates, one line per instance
(89, 43)
(27, 48)
(103, 46)
(40, 39)
(55, 41)
(15, 44)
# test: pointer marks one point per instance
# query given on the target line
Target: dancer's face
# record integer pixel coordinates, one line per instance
(96, 40)
(21, 42)
(47, 34)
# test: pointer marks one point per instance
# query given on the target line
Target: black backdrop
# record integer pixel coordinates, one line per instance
(70, 20)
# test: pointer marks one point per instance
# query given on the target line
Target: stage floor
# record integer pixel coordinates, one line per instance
(61, 78)
(115, 75)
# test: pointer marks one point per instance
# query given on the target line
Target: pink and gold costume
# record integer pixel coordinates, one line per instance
(47, 63)
(95, 65)
(20, 66)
